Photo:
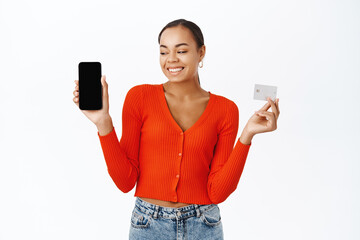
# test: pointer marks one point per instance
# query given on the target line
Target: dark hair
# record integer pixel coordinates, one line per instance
(194, 29)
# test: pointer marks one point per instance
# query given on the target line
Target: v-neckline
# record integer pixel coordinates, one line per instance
(165, 107)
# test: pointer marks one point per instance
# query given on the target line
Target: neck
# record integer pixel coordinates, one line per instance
(184, 90)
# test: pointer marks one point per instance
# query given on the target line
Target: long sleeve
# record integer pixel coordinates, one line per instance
(228, 162)
(122, 158)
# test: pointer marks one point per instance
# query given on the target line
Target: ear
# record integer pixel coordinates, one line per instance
(202, 52)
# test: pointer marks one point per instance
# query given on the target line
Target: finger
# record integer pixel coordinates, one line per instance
(105, 91)
(270, 117)
(105, 85)
(265, 107)
(273, 107)
(103, 80)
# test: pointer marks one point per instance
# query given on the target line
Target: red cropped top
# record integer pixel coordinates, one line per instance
(198, 166)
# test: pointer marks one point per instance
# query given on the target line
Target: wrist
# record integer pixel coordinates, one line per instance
(104, 120)
(104, 126)
(246, 137)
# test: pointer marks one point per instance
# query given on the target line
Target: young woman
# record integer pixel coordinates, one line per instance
(177, 143)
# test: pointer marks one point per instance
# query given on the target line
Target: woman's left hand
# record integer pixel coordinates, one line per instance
(262, 120)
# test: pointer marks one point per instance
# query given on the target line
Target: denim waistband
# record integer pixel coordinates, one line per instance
(169, 212)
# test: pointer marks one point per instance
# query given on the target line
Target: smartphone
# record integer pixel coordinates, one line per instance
(262, 92)
(90, 87)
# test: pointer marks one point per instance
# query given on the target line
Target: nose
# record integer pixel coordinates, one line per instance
(172, 57)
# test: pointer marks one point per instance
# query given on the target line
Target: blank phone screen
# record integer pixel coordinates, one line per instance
(90, 88)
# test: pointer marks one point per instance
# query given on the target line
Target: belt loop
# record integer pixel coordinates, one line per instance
(197, 210)
(156, 211)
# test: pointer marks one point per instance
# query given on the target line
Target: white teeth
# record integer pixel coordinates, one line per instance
(175, 69)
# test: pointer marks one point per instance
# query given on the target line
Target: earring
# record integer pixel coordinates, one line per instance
(201, 64)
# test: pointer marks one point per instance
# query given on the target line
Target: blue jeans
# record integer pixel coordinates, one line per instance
(192, 222)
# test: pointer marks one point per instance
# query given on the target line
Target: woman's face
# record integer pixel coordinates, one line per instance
(179, 55)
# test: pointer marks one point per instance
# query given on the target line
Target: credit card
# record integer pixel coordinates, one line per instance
(262, 92)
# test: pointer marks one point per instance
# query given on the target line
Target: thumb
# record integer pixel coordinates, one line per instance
(103, 80)
(105, 97)
(104, 84)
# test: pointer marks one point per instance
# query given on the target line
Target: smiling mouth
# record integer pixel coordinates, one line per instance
(175, 70)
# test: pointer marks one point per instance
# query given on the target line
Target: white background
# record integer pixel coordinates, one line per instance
(299, 182)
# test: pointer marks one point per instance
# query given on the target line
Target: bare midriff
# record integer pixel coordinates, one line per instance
(164, 203)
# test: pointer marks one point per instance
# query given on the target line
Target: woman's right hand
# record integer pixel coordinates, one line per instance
(96, 116)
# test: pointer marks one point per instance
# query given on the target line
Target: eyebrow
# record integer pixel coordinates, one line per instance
(177, 45)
